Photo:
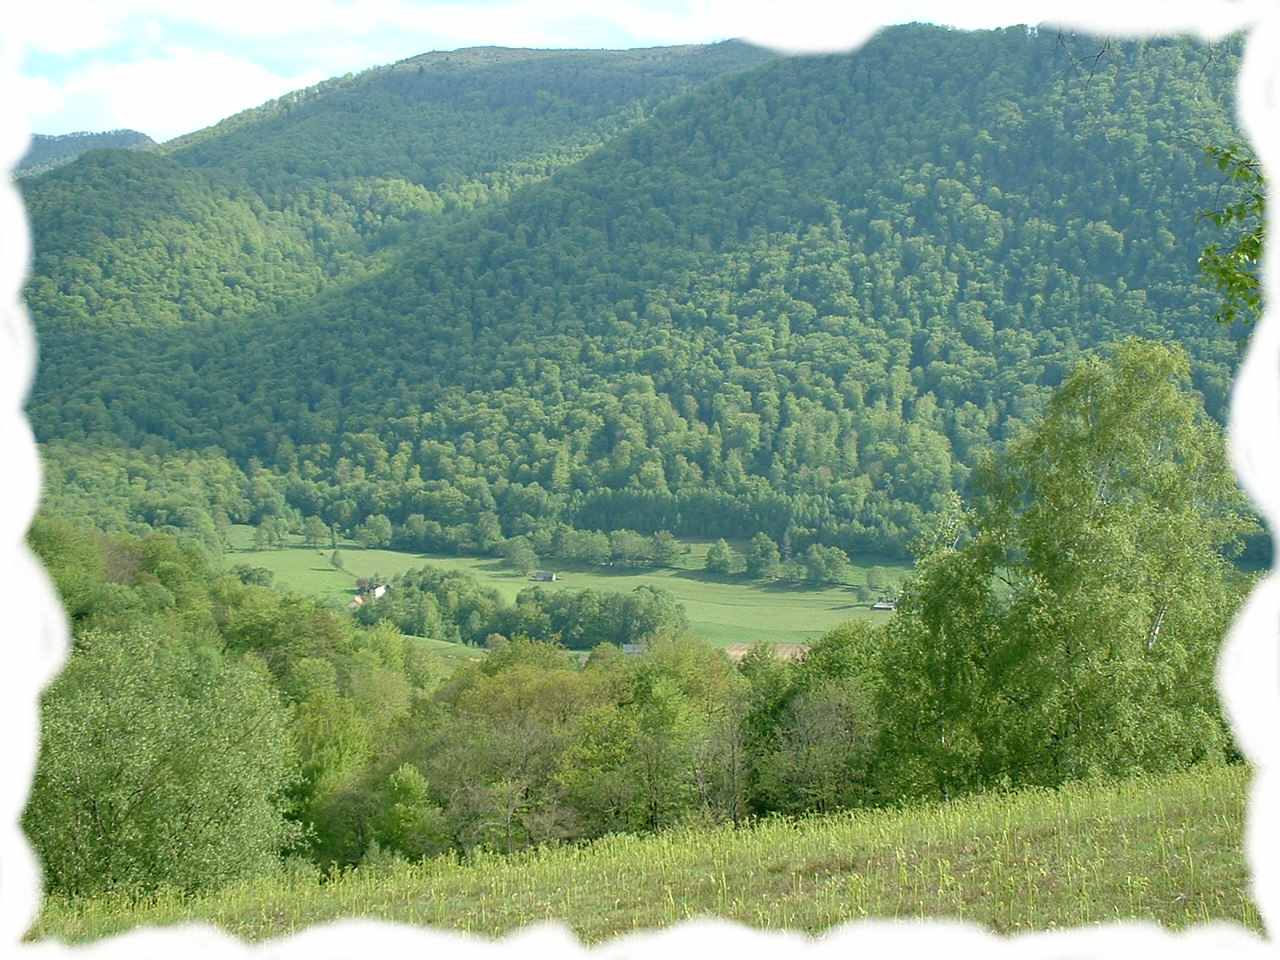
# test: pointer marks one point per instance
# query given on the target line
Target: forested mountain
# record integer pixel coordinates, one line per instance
(800, 299)
(260, 212)
(47, 152)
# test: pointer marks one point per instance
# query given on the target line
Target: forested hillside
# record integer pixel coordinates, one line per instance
(47, 152)
(801, 300)
(264, 209)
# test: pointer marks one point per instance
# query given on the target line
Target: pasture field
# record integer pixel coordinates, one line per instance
(1167, 850)
(725, 611)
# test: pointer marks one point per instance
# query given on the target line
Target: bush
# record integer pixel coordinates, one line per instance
(160, 766)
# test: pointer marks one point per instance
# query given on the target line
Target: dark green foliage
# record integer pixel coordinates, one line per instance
(763, 561)
(258, 576)
(666, 549)
(826, 564)
(807, 304)
(374, 532)
(519, 554)
(271, 206)
(800, 300)
(196, 495)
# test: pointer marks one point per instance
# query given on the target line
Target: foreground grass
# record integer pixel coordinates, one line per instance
(721, 611)
(1167, 850)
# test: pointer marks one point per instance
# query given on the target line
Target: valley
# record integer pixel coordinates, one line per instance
(733, 344)
(725, 611)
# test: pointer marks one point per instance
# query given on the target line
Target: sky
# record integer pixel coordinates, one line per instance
(167, 67)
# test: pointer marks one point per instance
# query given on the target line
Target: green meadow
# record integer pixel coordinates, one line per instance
(724, 611)
(1164, 849)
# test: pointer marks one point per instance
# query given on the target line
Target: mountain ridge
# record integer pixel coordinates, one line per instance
(50, 151)
(803, 298)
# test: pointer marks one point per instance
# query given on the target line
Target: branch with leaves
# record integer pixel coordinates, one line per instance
(1234, 271)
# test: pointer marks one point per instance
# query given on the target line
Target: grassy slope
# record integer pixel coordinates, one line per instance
(720, 611)
(1167, 850)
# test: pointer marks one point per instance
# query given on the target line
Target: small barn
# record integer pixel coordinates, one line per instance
(884, 605)
(544, 576)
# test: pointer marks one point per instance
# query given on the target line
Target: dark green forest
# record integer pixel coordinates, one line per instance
(701, 291)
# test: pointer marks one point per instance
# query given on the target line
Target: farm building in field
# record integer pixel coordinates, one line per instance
(544, 576)
(366, 593)
(884, 605)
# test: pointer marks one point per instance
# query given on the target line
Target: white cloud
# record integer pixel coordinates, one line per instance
(201, 61)
(164, 96)
(67, 26)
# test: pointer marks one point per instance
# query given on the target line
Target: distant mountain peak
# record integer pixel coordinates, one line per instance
(48, 151)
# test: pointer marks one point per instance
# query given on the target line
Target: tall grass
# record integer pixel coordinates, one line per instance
(1168, 850)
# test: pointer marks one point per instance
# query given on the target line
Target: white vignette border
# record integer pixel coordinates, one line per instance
(1248, 670)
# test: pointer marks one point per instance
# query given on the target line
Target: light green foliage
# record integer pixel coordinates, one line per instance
(723, 560)
(1077, 632)
(1234, 272)
(195, 495)
(315, 532)
(630, 549)
(409, 823)
(809, 304)
(160, 767)
(876, 579)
